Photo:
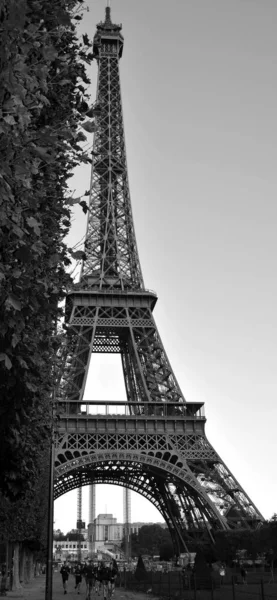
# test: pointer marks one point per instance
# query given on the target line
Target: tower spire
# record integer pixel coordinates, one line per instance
(108, 14)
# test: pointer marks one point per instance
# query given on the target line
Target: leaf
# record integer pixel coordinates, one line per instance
(18, 231)
(49, 53)
(63, 17)
(15, 340)
(34, 224)
(84, 206)
(8, 363)
(65, 81)
(16, 273)
(78, 255)
(31, 386)
(89, 126)
(43, 153)
(86, 40)
(22, 362)
(13, 301)
(10, 120)
(81, 137)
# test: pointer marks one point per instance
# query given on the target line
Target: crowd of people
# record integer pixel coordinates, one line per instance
(99, 577)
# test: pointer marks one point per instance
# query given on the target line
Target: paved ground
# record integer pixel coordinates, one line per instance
(36, 591)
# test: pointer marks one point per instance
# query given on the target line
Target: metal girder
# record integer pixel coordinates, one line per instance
(157, 444)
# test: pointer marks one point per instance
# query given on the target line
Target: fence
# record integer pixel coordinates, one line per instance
(174, 585)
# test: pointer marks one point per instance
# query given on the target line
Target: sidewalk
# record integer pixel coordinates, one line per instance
(35, 590)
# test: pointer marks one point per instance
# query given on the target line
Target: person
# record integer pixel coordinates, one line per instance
(89, 574)
(103, 576)
(243, 573)
(78, 577)
(113, 575)
(108, 574)
(222, 573)
(65, 570)
(98, 582)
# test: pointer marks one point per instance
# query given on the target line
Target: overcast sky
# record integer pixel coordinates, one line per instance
(199, 96)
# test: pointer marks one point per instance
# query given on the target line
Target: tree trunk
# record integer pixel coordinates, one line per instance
(29, 571)
(22, 560)
(16, 582)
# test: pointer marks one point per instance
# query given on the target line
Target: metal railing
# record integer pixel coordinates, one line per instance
(96, 408)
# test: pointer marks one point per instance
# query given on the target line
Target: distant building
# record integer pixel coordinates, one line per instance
(105, 534)
(103, 537)
(68, 550)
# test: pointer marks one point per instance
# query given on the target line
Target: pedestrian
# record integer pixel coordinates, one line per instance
(78, 577)
(98, 582)
(65, 570)
(89, 574)
(222, 574)
(113, 575)
(243, 573)
(104, 577)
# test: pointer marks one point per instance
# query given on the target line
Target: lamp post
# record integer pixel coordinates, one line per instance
(49, 565)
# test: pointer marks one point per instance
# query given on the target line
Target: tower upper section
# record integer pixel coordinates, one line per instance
(108, 36)
(112, 260)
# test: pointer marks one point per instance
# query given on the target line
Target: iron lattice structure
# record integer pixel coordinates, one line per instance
(155, 442)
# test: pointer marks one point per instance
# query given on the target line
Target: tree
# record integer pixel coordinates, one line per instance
(149, 540)
(74, 536)
(166, 550)
(43, 106)
(140, 572)
(59, 536)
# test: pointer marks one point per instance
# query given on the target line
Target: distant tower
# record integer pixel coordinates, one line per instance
(79, 522)
(156, 445)
(127, 521)
(91, 519)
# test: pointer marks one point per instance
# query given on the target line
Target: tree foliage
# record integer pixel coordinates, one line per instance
(151, 539)
(257, 542)
(74, 536)
(155, 540)
(43, 105)
(26, 520)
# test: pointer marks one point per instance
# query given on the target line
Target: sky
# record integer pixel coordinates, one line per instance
(199, 93)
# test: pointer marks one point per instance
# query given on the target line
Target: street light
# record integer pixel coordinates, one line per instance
(49, 566)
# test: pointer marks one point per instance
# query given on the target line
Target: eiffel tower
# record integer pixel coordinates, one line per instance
(154, 442)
